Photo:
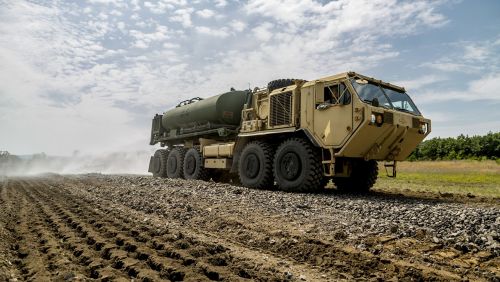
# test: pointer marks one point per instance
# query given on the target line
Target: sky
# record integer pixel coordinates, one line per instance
(88, 76)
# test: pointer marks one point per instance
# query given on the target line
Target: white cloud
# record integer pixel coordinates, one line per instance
(183, 16)
(450, 66)
(205, 13)
(168, 45)
(341, 34)
(118, 3)
(135, 5)
(135, 17)
(238, 26)
(121, 27)
(484, 88)
(144, 40)
(263, 31)
(374, 17)
(431, 18)
(476, 53)
(222, 33)
(97, 74)
(420, 82)
(141, 44)
(158, 8)
(66, 85)
(468, 57)
(116, 13)
(220, 3)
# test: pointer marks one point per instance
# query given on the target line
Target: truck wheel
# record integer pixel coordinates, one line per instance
(279, 83)
(363, 177)
(158, 165)
(255, 165)
(193, 165)
(175, 163)
(297, 167)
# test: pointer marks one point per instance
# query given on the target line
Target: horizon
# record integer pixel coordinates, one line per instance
(150, 150)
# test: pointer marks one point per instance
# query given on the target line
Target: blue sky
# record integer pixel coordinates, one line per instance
(89, 75)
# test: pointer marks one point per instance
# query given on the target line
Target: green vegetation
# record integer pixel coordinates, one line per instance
(478, 178)
(462, 165)
(460, 148)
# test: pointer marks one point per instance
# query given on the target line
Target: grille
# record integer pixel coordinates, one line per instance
(281, 109)
(389, 117)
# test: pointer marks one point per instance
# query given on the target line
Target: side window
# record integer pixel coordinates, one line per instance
(337, 94)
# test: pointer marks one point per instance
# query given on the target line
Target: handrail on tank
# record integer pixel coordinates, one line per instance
(189, 101)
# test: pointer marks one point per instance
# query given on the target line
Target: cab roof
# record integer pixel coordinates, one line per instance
(351, 74)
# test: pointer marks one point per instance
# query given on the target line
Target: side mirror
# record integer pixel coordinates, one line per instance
(375, 102)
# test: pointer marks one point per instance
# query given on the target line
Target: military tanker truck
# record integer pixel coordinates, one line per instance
(293, 134)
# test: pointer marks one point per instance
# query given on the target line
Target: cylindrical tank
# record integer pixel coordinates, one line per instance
(223, 109)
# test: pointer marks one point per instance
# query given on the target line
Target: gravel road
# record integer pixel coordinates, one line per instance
(195, 230)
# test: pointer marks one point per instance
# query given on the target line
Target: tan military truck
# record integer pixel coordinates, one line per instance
(295, 134)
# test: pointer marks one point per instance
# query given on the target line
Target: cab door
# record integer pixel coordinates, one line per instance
(333, 113)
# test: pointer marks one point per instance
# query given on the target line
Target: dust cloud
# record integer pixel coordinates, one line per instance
(108, 163)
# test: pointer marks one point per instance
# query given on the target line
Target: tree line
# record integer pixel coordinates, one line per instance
(459, 148)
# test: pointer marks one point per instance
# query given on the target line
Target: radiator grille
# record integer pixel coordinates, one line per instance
(281, 109)
(389, 117)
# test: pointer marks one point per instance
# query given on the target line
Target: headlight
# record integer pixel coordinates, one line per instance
(423, 128)
(372, 118)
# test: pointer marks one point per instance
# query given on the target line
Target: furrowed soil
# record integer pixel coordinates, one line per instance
(105, 227)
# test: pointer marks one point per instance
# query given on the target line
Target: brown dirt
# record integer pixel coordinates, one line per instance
(61, 228)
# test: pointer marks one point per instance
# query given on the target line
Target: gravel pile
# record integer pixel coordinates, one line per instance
(349, 218)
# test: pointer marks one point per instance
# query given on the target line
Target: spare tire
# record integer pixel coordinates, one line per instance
(280, 83)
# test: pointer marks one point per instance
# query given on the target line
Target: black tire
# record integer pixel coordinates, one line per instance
(363, 177)
(193, 165)
(175, 161)
(255, 166)
(279, 83)
(297, 167)
(159, 163)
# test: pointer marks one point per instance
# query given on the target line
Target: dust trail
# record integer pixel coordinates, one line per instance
(110, 163)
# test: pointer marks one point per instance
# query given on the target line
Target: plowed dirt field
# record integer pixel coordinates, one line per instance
(88, 227)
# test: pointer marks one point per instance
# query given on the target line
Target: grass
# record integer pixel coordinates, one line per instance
(479, 178)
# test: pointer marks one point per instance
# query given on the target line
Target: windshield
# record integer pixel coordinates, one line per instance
(387, 98)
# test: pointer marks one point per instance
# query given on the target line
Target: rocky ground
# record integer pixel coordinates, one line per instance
(105, 227)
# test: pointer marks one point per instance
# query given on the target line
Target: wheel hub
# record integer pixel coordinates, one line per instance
(172, 164)
(252, 166)
(190, 165)
(290, 166)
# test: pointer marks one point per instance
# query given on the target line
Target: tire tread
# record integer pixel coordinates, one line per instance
(314, 181)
